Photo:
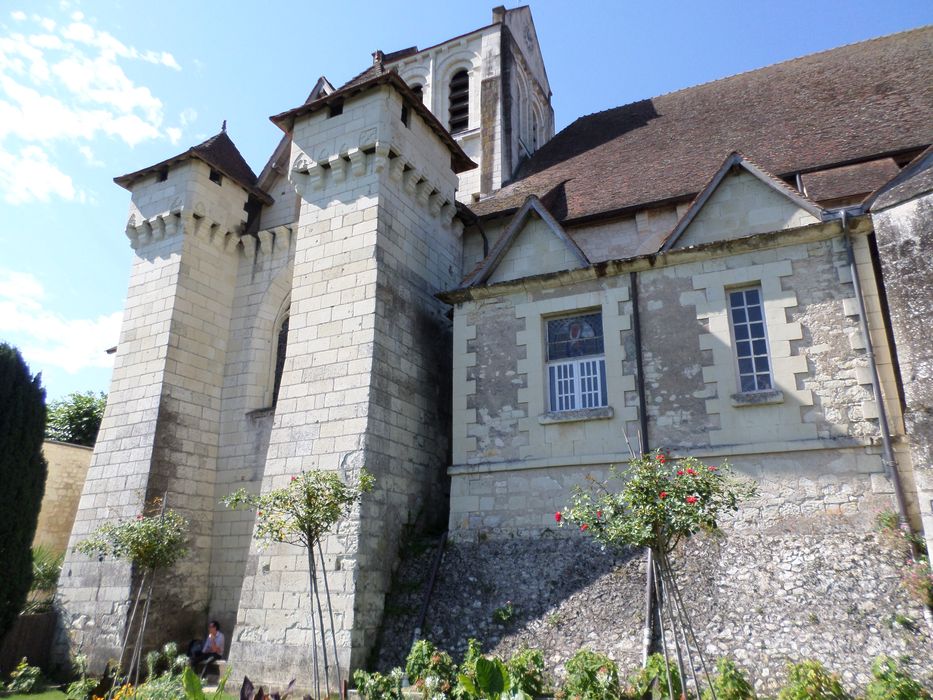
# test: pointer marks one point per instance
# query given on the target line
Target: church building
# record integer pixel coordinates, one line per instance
(426, 281)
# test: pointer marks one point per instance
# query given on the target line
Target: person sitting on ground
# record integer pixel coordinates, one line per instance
(211, 649)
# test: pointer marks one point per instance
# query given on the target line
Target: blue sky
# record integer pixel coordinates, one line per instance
(91, 90)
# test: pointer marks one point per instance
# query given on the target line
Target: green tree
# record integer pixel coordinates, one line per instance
(76, 418)
(152, 542)
(22, 473)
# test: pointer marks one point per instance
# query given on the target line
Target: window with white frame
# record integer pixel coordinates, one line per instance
(576, 363)
(746, 313)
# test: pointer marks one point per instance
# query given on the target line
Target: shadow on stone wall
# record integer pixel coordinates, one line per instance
(566, 593)
(764, 597)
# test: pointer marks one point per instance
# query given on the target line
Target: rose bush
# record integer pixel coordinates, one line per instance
(655, 504)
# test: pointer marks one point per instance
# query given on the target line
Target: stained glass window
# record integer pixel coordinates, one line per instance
(576, 366)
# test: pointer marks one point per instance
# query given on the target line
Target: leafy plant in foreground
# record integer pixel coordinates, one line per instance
(23, 679)
(809, 680)
(891, 682)
(430, 670)
(651, 681)
(591, 676)
(729, 683)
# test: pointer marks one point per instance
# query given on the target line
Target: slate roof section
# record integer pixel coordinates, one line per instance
(458, 159)
(841, 106)
(220, 153)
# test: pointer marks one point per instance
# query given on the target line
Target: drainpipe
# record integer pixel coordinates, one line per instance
(887, 453)
(648, 632)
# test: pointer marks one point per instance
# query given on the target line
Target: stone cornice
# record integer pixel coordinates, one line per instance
(195, 222)
(316, 176)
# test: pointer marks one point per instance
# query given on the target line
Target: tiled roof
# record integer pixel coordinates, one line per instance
(459, 160)
(827, 109)
(914, 180)
(220, 153)
(849, 180)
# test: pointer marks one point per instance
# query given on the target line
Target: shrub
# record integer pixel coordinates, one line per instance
(23, 679)
(504, 614)
(809, 680)
(164, 670)
(651, 681)
(918, 580)
(474, 652)
(22, 473)
(890, 682)
(591, 676)
(729, 683)
(526, 670)
(491, 681)
(656, 504)
(76, 419)
(375, 686)
(46, 566)
(429, 669)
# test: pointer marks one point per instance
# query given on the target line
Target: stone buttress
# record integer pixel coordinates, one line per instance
(366, 376)
(159, 434)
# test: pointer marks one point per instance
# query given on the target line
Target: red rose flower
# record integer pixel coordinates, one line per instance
(691, 472)
(712, 469)
(692, 499)
(599, 514)
(662, 459)
(663, 494)
(557, 516)
(680, 472)
(294, 478)
(584, 527)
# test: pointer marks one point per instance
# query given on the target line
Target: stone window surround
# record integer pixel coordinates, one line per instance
(712, 307)
(534, 367)
(745, 398)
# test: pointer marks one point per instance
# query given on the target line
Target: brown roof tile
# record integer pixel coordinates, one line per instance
(458, 159)
(220, 153)
(849, 180)
(832, 108)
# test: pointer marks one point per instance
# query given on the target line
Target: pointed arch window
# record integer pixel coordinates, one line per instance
(459, 101)
(280, 348)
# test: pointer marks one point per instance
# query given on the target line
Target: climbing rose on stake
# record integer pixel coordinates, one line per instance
(654, 503)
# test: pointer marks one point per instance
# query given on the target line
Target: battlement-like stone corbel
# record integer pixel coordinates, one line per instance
(425, 189)
(338, 167)
(397, 168)
(357, 161)
(382, 157)
(266, 241)
(411, 179)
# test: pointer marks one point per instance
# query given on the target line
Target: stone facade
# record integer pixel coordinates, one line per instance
(346, 310)
(68, 465)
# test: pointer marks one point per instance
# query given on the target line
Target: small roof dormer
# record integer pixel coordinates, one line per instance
(220, 153)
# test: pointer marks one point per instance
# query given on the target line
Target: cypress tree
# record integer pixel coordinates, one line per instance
(22, 478)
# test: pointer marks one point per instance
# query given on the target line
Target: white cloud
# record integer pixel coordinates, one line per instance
(30, 176)
(89, 156)
(187, 116)
(47, 338)
(66, 82)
